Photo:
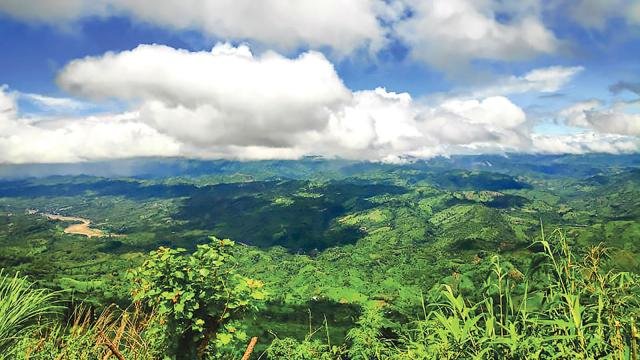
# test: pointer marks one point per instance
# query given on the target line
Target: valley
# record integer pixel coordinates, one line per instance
(322, 242)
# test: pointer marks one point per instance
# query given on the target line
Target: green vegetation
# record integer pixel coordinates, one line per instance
(564, 307)
(21, 309)
(334, 260)
(199, 296)
(113, 333)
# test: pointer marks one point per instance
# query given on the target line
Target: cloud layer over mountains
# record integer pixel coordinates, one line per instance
(231, 103)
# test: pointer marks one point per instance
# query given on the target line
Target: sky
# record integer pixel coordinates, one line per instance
(374, 80)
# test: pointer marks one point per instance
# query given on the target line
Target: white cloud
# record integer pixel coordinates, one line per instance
(622, 86)
(448, 34)
(633, 15)
(230, 103)
(609, 120)
(495, 111)
(585, 143)
(614, 121)
(54, 103)
(375, 119)
(385, 126)
(544, 80)
(71, 140)
(282, 24)
(226, 96)
(577, 114)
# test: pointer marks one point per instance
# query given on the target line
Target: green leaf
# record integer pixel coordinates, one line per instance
(225, 338)
(179, 308)
(258, 295)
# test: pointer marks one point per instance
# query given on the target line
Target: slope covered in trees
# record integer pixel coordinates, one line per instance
(334, 259)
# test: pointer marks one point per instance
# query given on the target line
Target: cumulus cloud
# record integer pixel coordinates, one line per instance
(230, 103)
(493, 111)
(24, 140)
(283, 24)
(448, 34)
(374, 120)
(609, 120)
(613, 121)
(382, 125)
(8, 108)
(226, 96)
(577, 115)
(491, 124)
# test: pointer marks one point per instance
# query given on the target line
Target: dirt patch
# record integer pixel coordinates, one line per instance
(83, 228)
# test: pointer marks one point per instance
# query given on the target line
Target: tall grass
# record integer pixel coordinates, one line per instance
(23, 308)
(114, 333)
(564, 306)
(31, 327)
(562, 309)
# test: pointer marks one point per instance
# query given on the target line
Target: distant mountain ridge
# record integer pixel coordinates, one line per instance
(150, 168)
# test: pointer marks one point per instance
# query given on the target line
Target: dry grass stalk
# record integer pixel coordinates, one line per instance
(252, 344)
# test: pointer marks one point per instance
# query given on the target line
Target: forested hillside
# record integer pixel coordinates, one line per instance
(462, 257)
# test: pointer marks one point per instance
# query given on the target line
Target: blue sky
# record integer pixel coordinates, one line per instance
(456, 76)
(39, 51)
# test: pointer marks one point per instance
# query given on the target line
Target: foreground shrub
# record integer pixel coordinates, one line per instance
(199, 296)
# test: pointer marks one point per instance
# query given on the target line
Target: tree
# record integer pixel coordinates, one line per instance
(199, 295)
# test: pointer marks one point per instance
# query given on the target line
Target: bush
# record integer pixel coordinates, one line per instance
(199, 296)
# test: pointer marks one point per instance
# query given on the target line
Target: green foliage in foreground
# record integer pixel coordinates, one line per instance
(114, 333)
(199, 296)
(565, 308)
(22, 308)
(562, 307)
